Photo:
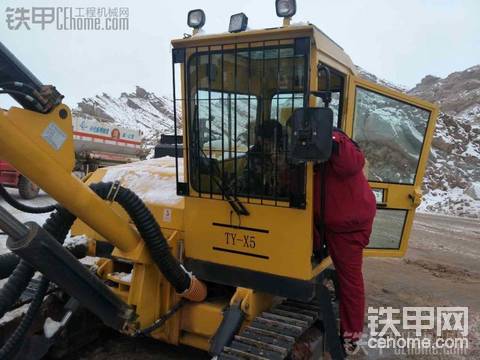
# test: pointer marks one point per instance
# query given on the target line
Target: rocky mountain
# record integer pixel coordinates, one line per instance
(452, 179)
(141, 109)
(374, 78)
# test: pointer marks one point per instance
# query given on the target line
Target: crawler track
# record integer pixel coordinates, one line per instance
(276, 334)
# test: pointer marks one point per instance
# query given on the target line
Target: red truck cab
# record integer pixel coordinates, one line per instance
(10, 177)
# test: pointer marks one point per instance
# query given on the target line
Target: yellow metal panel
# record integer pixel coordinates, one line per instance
(202, 318)
(332, 54)
(146, 286)
(251, 302)
(30, 122)
(196, 341)
(284, 250)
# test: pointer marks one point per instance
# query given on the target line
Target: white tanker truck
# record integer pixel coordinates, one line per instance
(100, 144)
(97, 144)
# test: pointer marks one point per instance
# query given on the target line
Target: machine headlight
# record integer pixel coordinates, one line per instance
(196, 18)
(238, 22)
(286, 8)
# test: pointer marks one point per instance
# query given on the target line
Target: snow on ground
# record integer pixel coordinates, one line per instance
(452, 201)
(474, 190)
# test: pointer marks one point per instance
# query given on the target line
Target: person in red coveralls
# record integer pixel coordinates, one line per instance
(344, 218)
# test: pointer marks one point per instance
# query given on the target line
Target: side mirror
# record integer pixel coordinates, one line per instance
(311, 134)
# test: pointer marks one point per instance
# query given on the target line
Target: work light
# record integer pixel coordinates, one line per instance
(196, 18)
(238, 22)
(286, 8)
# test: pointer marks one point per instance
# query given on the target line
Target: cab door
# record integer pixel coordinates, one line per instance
(395, 132)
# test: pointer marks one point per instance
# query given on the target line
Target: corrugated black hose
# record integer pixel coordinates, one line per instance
(23, 207)
(9, 261)
(12, 345)
(150, 232)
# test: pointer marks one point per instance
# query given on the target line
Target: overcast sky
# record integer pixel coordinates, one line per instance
(401, 41)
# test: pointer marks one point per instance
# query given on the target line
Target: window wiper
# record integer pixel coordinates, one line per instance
(232, 199)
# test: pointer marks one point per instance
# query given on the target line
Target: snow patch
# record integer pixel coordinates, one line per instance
(14, 314)
(152, 180)
(451, 201)
(474, 191)
(122, 276)
(73, 241)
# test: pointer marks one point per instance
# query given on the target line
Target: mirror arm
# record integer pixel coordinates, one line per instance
(326, 70)
(325, 95)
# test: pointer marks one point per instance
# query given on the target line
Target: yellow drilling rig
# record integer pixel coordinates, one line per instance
(208, 248)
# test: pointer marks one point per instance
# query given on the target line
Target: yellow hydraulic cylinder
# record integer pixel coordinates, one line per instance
(40, 146)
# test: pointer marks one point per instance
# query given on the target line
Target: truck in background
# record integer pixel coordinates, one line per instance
(10, 177)
(166, 146)
(100, 144)
(97, 144)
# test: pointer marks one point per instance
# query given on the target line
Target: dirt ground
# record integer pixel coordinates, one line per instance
(441, 268)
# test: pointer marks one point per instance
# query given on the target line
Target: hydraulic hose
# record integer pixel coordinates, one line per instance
(23, 207)
(8, 262)
(12, 345)
(15, 285)
(58, 224)
(183, 282)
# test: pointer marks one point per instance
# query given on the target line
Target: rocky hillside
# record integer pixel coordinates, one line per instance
(452, 179)
(138, 110)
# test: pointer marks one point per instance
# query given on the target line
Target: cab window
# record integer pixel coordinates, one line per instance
(391, 133)
(284, 103)
(239, 101)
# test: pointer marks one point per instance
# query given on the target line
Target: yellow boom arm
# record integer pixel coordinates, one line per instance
(40, 146)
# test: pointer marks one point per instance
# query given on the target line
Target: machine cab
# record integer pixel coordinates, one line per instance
(248, 201)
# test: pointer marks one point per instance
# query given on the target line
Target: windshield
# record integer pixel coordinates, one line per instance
(239, 103)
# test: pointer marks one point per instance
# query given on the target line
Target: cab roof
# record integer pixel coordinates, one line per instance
(329, 51)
